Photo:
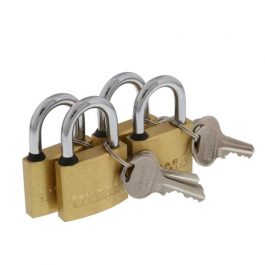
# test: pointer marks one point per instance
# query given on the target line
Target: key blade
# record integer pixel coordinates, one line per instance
(184, 177)
(189, 191)
(232, 145)
(198, 187)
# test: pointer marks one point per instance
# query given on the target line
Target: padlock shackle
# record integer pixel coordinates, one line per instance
(109, 89)
(37, 119)
(68, 157)
(143, 97)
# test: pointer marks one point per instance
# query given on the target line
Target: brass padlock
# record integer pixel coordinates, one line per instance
(88, 182)
(39, 165)
(171, 145)
(126, 127)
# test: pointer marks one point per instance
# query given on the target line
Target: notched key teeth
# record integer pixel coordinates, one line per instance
(196, 199)
(222, 153)
(199, 199)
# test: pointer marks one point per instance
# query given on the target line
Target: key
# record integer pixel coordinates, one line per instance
(213, 143)
(188, 178)
(145, 177)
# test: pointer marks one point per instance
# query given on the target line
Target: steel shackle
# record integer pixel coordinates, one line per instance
(109, 89)
(143, 97)
(68, 157)
(37, 119)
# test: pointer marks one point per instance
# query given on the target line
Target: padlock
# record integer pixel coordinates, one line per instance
(88, 182)
(171, 144)
(126, 127)
(39, 165)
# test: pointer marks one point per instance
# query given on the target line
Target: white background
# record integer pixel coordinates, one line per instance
(215, 48)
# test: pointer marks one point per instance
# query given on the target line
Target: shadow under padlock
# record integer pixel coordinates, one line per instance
(171, 145)
(88, 182)
(39, 165)
(126, 127)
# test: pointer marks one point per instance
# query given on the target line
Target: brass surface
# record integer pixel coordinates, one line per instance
(171, 145)
(90, 186)
(39, 181)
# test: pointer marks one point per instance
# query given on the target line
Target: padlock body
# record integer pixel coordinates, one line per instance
(125, 128)
(90, 186)
(39, 181)
(171, 145)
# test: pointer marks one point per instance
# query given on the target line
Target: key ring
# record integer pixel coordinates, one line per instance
(83, 143)
(115, 156)
(152, 123)
(175, 123)
(181, 126)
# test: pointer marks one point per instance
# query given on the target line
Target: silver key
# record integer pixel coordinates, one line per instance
(213, 143)
(188, 178)
(146, 177)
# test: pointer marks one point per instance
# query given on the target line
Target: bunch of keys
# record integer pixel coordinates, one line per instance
(142, 175)
(209, 142)
(145, 176)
